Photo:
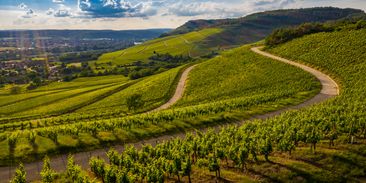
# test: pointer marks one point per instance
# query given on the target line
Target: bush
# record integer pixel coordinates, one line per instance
(134, 102)
(15, 90)
(286, 34)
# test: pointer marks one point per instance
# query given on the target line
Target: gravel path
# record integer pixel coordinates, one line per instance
(179, 91)
(329, 89)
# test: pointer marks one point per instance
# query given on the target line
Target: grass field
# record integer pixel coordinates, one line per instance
(188, 44)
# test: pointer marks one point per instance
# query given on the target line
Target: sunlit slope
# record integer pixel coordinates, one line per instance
(154, 90)
(320, 143)
(242, 73)
(57, 97)
(342, 54)
(191, 44)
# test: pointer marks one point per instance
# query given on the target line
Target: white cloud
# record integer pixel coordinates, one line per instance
(58, 1)
(28, 13)
(132, 14)
(62, 13)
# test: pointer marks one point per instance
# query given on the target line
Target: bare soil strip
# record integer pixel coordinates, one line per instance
(329, 89)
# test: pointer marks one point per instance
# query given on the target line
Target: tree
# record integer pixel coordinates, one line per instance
(20, 175)
(47, 174)
(134, 102)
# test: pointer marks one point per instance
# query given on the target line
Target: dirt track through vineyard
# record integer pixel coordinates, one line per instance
(329, 89)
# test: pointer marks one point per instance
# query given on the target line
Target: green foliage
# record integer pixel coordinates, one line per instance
(286, 34)
(283, 35)
(175, 45)
(155, 90)
(15, 90)
(242, 73)
(134, 102)
(74, 172)
(20, 175)
(255, 27)
(343, 114)
(47, 174)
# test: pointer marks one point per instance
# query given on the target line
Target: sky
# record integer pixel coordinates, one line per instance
(139, 14)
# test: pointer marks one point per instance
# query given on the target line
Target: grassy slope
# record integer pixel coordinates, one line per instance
(257, 26)
(187, 44)
(154, 90)
(341, 54)
(132, 128)
(40, 100)
(242, 73)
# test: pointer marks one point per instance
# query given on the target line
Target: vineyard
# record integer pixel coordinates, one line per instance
(322, 143)
(107, 121)
(190, 44)
(41, 100)
(242, 73)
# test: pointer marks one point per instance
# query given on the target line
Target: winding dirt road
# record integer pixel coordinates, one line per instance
(329, 89)
(179, 91)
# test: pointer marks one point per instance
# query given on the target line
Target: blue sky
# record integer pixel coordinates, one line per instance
(138, 14)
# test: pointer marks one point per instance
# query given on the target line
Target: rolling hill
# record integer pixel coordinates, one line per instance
(257, 26)
(270, 139)
(201, 37)
(191, 44)
(322, 143)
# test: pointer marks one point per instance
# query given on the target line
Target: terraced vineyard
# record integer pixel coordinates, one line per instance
(155, 91)
(322, 143)
(80, 130)
(250, 97)
(191, 44)
(239, 74)
(50, 99)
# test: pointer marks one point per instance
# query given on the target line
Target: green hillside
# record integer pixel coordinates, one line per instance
(234, 91)
(155, 90)
(241, 73)
(57, 97)
(257, 26)
(322, 143)
(191, 44)
(105, 121)
(201, 37)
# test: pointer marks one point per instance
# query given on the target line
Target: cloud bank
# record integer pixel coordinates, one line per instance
(132, 14)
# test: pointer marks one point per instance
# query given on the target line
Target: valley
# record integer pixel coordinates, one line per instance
(276, 96)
